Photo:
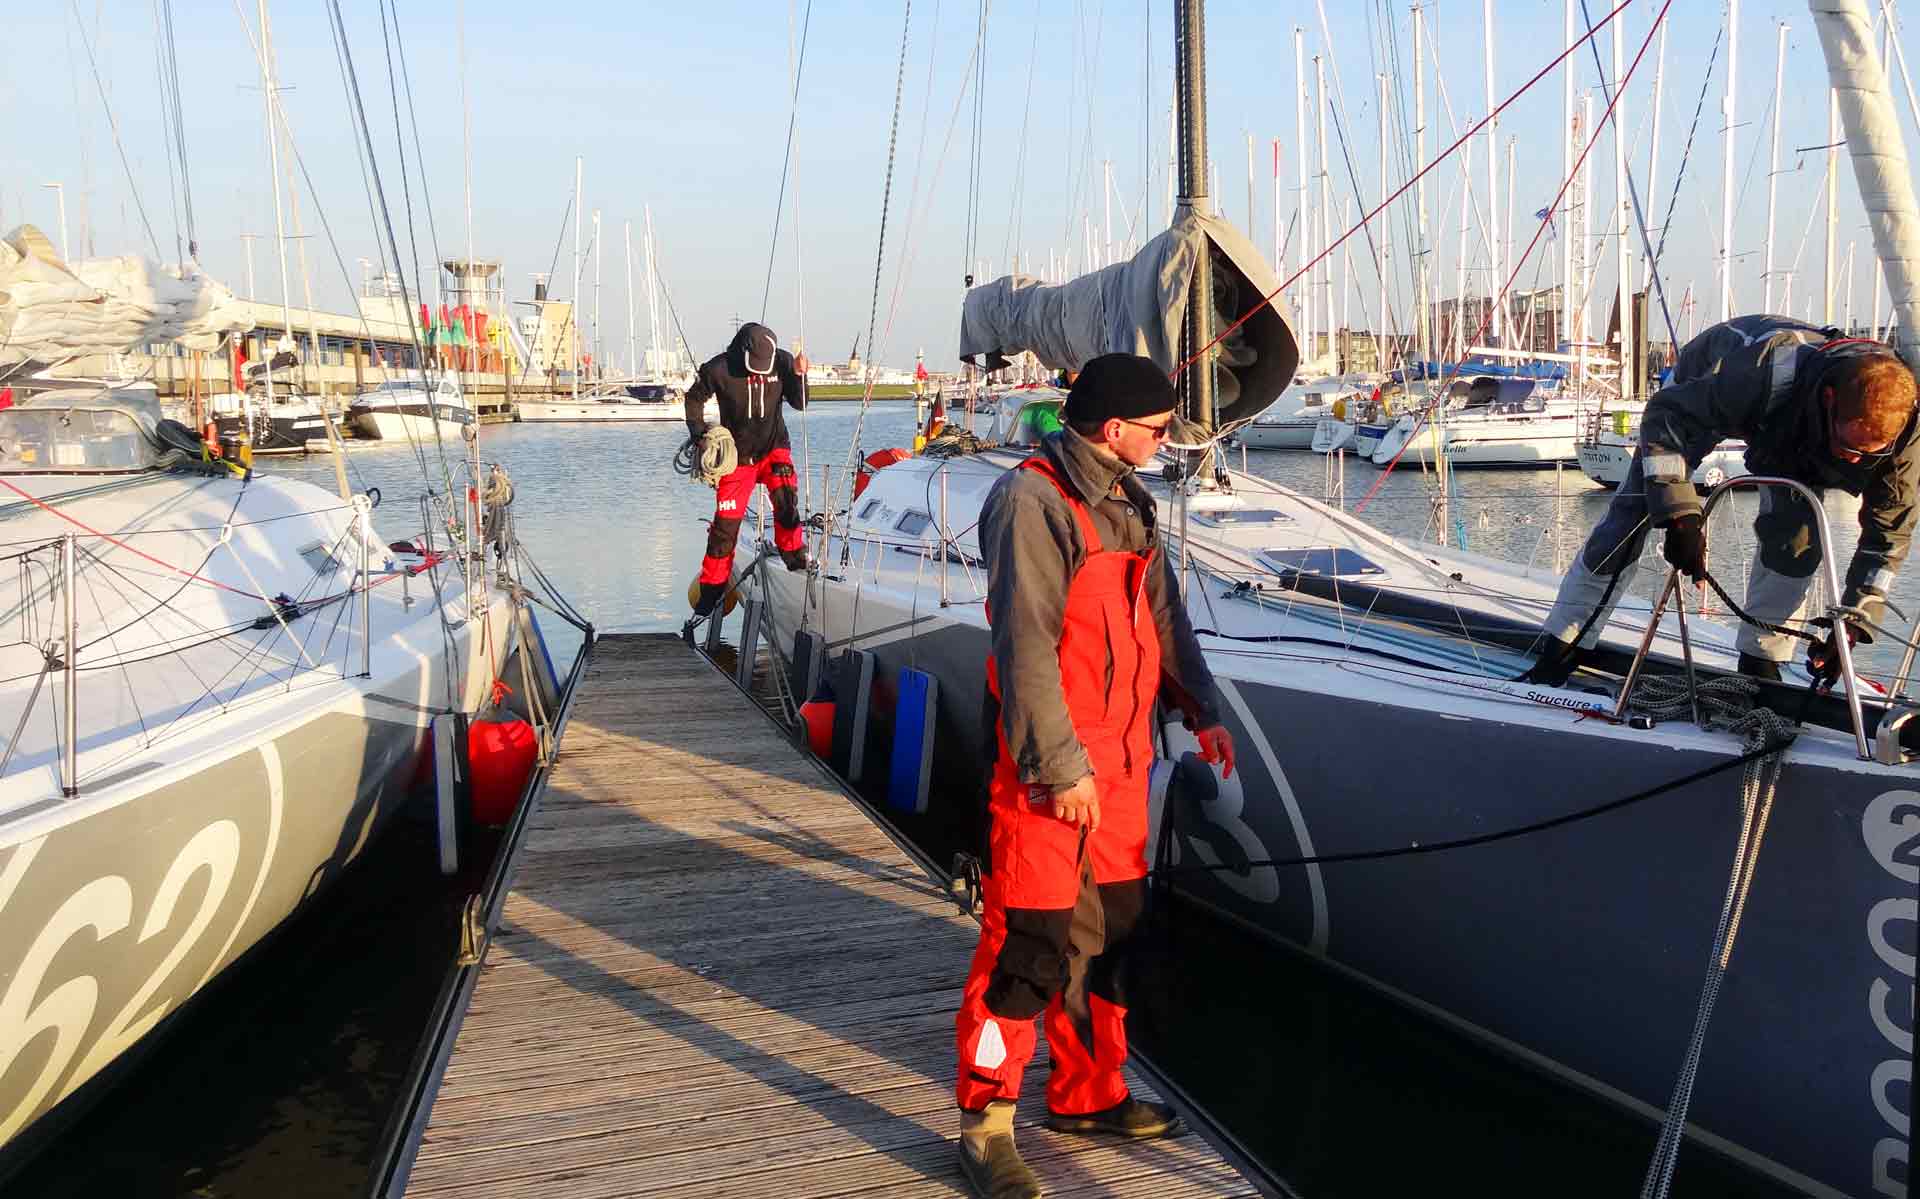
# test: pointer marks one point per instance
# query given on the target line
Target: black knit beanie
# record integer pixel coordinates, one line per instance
(1118, 386)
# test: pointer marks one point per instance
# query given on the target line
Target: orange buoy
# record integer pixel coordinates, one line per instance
(728, 601)
(817, 716)
(878, 460)
(500, 757)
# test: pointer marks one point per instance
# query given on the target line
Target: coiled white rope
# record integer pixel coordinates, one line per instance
(710, 458)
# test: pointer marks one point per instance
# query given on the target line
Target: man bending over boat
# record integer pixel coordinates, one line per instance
(1088, 631)
(1812, 406)
(750, 381)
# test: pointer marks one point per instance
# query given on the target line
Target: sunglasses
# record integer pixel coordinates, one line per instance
(1160, 431)
(1840, 446)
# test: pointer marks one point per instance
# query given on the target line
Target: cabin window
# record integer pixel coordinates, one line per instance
(1335, 561)
(913, 523)
(867, 509)
(1242, 516)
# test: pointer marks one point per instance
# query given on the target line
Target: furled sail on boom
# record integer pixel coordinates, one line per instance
(52, 309)
(1140, 307)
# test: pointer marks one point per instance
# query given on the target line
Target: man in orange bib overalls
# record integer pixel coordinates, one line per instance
(1088, 632)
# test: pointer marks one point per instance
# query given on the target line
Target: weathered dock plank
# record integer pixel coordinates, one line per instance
(715, 974)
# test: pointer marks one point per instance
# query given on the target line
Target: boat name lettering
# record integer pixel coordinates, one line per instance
(1891, 826)
(1564, 701)
(1224, 813)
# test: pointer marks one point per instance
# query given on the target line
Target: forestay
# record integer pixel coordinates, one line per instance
(52, 310)
(1140, 307)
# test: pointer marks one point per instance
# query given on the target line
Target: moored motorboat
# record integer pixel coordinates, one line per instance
(1294, 419)
(418, 410)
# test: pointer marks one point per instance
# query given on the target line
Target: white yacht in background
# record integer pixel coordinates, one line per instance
(1291, 422)
(1497, 423)
(656, 403)
(404, 409)
(1606, 455)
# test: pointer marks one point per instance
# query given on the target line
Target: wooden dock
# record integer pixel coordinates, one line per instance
(716, 974)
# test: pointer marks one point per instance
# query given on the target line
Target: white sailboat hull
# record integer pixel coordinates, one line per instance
(233, 756)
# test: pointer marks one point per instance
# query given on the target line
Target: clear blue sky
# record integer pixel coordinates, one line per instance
(685, 107)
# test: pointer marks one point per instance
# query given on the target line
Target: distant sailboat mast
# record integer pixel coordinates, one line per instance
(1422, 326)
(633, 345)
(656, 356)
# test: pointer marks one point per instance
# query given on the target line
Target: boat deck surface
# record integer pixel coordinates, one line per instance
(717, 974)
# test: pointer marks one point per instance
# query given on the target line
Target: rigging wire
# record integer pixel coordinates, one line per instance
(1015, 218)
(419, 155)
(979, 146)
(1686, 153)
(166, 121)
(880, 250)
(1346, 156)
(552, 263)
(384, 214)
(1625, 288)
(786, 162)
(83, 526)
(113, 125)
(1499, 296)
(1474, 129)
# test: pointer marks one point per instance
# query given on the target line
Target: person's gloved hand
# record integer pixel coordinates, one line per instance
(1216, 748)
(1686, 546)
(1823, 657)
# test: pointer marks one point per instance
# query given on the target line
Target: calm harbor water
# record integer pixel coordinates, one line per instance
(283, 1079)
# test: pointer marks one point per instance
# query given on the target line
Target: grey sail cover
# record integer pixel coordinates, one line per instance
(1140, 307)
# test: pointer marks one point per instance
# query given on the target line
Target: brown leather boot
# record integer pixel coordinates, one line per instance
(988, 1158)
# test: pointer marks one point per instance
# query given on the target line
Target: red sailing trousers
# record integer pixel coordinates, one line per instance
(1062, 905)
(731, 497)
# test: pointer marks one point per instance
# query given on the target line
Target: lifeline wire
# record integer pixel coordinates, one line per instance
(1507, 834)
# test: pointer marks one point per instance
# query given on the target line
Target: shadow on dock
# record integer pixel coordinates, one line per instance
(716, 974)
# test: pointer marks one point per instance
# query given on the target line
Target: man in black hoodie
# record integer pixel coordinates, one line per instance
(749, 382)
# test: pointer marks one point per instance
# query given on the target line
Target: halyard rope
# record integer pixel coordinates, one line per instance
(1726, 703)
